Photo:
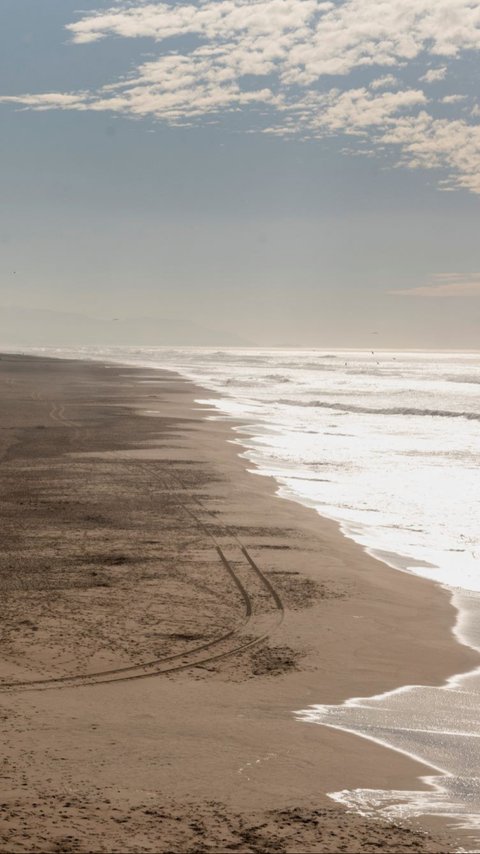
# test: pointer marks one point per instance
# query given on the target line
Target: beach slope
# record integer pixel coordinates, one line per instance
(163, 614)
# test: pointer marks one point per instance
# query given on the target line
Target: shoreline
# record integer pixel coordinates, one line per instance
(378, 555)
(335, 634)
(435, 782)
(373, 552)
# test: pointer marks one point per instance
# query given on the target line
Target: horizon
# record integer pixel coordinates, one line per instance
(47, 347)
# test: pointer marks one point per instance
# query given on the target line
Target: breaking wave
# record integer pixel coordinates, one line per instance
(394, 410)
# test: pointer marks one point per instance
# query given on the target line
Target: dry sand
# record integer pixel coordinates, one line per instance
(163, 614)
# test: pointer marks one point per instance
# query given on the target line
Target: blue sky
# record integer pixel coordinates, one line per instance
(272, 172)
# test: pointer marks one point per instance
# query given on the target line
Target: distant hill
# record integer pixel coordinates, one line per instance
(32, 327)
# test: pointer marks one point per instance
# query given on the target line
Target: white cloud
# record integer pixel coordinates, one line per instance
(433, 75)
(446, 285)
(453, 99)
(388, 81)
(48, 101)
(324, 37)
(429, 143)
(292, 47)
(356, 110)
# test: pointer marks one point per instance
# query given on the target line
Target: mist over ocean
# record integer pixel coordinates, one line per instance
(386, 443)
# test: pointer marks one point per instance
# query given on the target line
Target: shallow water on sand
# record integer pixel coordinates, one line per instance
(439, 726)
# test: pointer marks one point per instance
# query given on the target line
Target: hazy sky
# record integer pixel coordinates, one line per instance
(272, 172)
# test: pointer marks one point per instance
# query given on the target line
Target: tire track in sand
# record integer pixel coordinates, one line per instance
(221, 647)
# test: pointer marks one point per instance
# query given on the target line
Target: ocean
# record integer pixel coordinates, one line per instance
(387, 444)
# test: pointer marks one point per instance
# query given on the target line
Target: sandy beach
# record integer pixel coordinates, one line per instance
(164, 614)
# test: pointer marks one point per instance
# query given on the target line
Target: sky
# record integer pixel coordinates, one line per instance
(277, 172)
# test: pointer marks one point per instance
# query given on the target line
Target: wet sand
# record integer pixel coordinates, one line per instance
(163, 615)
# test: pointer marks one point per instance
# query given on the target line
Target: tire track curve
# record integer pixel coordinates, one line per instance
(223, 646)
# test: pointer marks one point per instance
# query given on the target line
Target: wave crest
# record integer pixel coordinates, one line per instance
(394, 410)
